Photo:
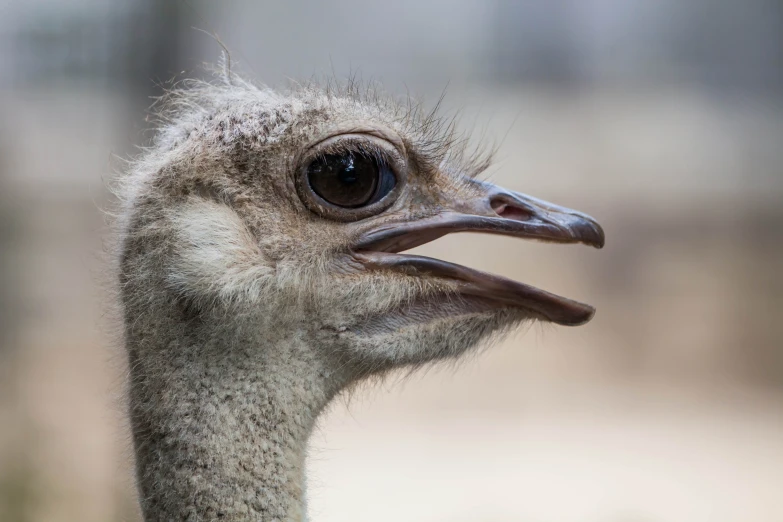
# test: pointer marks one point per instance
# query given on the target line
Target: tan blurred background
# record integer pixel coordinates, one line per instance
(661, 118)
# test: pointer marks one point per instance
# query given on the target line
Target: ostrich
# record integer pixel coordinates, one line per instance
(260, 274)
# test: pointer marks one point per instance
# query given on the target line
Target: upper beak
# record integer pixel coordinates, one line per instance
(492, 210)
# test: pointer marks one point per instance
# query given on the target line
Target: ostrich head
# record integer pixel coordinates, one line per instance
(262, 271)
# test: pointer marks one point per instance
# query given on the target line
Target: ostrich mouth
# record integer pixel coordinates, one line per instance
(495, 211)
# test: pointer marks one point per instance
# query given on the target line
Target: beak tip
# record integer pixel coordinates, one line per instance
(591, 233)
(601, 237)
(585, 315)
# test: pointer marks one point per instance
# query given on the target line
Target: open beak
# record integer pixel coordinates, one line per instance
(493, 210)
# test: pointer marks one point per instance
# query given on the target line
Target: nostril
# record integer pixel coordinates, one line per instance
(507, 210)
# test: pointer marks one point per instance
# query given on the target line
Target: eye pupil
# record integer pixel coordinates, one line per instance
(349, 180)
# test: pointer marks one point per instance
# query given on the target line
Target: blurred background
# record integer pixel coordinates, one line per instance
(661, 118)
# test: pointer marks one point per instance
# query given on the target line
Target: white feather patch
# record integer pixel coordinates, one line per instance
(216, 257)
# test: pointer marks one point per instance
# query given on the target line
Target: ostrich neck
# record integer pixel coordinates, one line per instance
(221, 431)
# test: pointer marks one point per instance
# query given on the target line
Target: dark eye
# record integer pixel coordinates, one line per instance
(350, 180)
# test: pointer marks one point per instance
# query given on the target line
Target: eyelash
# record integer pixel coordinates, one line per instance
(353, 146)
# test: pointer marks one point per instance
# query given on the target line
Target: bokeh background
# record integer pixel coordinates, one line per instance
(661, 118)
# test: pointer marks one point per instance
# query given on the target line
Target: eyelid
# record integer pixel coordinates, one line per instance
(368, 131)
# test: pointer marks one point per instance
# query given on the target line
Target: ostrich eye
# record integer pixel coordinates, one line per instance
(350, 180)
(352, 176)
